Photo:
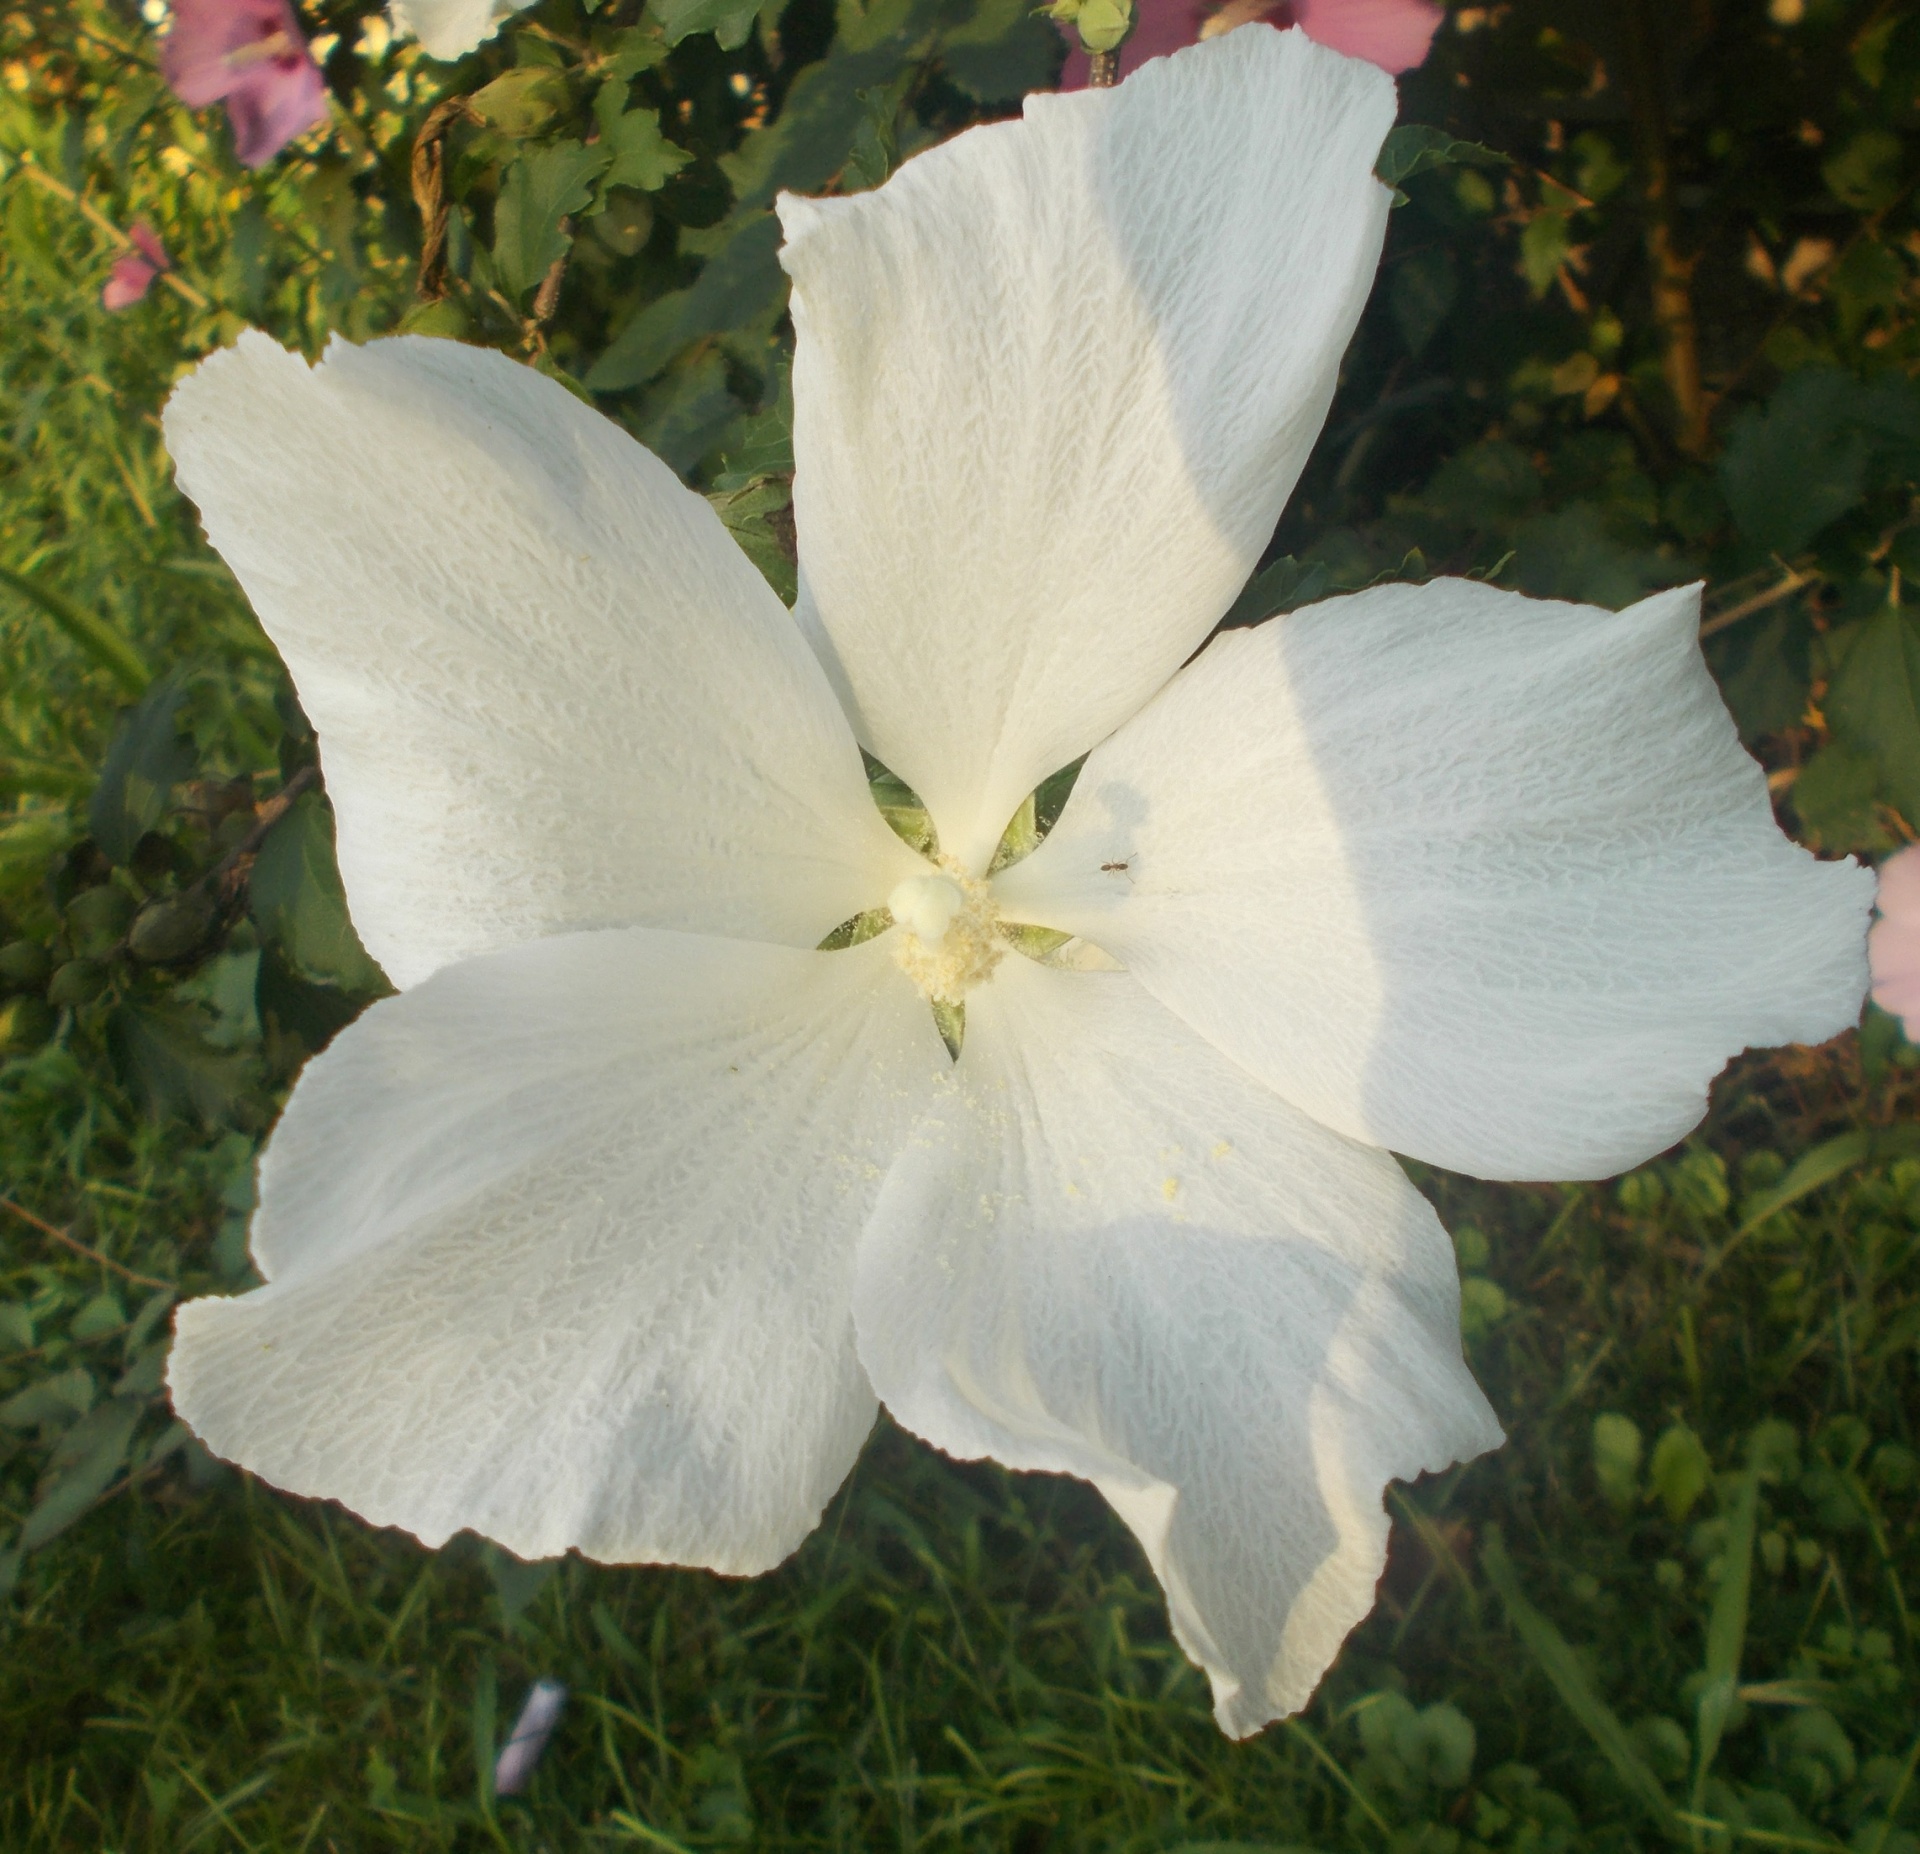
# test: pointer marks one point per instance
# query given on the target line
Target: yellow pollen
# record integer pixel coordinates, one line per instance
(950, 931)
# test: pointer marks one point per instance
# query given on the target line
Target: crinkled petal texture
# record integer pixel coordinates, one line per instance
(1483, 879)
(559, 1246)
(1111, 1253)
(1893, 945)
(1053, 383)
(551, 692)
(451, 28)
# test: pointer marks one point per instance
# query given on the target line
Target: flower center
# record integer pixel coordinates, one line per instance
(950, 932)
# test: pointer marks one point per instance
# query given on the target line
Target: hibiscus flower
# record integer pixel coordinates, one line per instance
(451, 28)
(251, 55)
(134, 271)
(1394, 34)
(1893, 946)
(611, 1230)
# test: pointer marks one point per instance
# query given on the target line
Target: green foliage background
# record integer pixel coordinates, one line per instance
(1665, 330)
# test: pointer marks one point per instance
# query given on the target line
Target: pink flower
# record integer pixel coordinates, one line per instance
(251, 53)
(135, 271)
(1394, 34)
(1893, 943)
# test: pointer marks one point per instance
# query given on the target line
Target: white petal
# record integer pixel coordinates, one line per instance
(559, 1247)
(551, 693)
(1053, 383)
(451, 28)
(1481, 878)
(1114, 1254)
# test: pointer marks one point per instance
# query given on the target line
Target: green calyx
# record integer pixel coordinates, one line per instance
(1102, 24)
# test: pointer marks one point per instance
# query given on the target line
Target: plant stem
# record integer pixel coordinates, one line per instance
(1671, 282)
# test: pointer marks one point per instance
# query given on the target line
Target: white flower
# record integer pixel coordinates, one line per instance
(609, 1229)
(451, 28)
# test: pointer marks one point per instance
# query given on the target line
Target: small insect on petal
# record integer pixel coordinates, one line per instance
(513, 1769)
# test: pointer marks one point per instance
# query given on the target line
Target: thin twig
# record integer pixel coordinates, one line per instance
(79, 1248)
(1786, 588)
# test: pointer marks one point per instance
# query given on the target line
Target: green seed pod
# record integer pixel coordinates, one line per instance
(173, 929)
(79, 981)
(97, 917)
(24, 964)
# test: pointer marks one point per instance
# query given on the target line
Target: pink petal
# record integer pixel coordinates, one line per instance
(128, 281)
(148, 241)
(1394, 34)
(197, 56)
(1893, 942)
(1899, 896)
(252, 53)
(274, 102)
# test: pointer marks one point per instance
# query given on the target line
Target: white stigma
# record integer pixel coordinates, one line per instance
(950, 932)
(925, 906)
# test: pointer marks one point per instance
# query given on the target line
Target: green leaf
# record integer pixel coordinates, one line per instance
(162, 1056)
(543, 186)
(58, 1399)
(1865, 174)
(1002, 53)
(93, 634)
(16, 1326)
(806, 145)
(687, 412)
(1617, 1449)
(742, 280)
(636, 49)
(1795, 467)
(83, 1465)
(643, 158)
(1544, 243)
(147, 759)
(1570, 1680)
(728, 20)
(1820, 1166)
(527, 100)
(764, 447)
(1571, 555)
(750, 514)
(1836, 798)
(1281, 587)
(299, 904)
(101, 1315)
(875, 152)
(1413, 148)
(1873, 705)
(1680, 1471)
(1421, 293)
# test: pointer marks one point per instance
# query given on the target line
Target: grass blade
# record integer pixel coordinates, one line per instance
(94, 635)
(1726, 1635)
(1562, 1667)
